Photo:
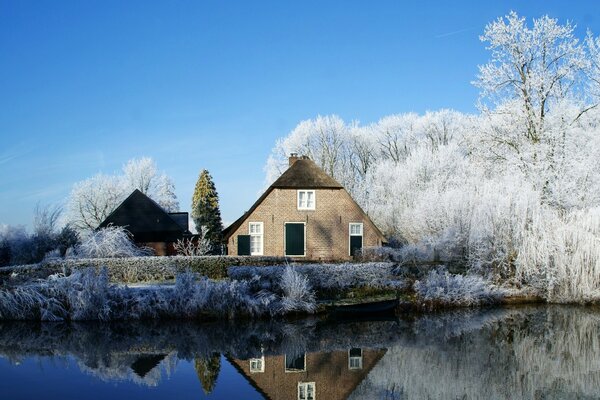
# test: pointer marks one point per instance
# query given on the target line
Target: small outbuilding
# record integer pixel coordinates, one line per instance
(149, 224)
(304, 214)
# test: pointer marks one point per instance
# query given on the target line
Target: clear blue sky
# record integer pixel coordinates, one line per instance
(87, 85)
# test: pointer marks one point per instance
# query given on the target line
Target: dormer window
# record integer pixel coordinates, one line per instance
(306, 199)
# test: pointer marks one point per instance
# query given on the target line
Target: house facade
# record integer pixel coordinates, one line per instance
(305, 214)
(148, 224)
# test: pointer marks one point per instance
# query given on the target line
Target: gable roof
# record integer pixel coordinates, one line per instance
(145, 220)
(302, 174)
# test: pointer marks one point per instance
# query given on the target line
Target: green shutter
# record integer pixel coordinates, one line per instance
(294, 239)
(355, 244)
(243, 245)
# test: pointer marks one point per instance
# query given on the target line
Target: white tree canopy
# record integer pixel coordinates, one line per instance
(93, 199)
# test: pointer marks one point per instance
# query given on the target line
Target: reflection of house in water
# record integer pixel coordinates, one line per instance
(146, 363)
(308, 376)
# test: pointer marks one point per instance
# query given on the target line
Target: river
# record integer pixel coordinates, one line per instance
(527, 352)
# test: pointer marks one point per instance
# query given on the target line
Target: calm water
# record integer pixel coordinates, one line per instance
(527, 352)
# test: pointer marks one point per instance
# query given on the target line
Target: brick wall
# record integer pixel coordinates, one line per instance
(327, 227)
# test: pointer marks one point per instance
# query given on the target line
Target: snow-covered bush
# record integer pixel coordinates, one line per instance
(443, 288)
(17, 246)
(327, 276)
(194, 247)
(561, 256)
(297, 292)
(88, 295)
(141, 269)
(112, 241)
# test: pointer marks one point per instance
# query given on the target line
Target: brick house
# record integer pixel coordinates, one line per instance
(305, 213)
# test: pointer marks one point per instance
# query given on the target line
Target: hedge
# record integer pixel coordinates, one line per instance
(140, 269)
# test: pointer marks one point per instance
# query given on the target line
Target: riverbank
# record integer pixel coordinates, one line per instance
(247, 292)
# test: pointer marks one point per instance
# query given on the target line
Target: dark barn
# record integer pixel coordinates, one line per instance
(149, 224)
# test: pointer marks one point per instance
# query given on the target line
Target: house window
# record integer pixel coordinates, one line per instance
(256, 238)
(356, 229)
(306, 391)
(306, 199)
(295, 362)
(355, 358)
(257, 364)
(356, 237)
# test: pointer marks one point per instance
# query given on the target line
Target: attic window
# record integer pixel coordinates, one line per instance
(306, 391)
(257, 364)
(306, 199)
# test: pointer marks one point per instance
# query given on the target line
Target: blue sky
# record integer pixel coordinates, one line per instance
(86, 85)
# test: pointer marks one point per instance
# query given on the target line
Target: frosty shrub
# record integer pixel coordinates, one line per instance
(561, 257)
(88, 295)
(443, 288)
(327, 276)
(297, 292)
(112, 241)
(141, 269)
(200, 247)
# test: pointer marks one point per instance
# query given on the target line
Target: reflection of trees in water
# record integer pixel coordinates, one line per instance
(530, 352)
(208, 369)
(533, 353)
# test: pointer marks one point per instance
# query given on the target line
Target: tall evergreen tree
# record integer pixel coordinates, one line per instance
(206, 212)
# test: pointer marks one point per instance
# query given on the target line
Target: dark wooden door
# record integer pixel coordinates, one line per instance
(243, 245)
(294, 239)
(355, 244)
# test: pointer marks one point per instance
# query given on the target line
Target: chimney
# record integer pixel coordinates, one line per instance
(293, 158)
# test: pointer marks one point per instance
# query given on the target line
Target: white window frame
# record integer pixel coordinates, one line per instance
(350, 234)
(260, 235)
(284, 242)
(306, 385)
(355, 358)
(293, 370)
(261, 365)
(306, 207)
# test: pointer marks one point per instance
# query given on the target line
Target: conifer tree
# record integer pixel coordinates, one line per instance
(205, 210)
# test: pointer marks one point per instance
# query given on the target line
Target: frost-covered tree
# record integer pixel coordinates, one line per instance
(513, 192)
(164, 193)
(325, 140)
(206, 212)
(536, 67)
(143, 174)
(93, 199)
(17, 246)
(593, 46)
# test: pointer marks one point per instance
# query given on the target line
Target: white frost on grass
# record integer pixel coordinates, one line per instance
(327, 276)
(87, 295)
(444, 288)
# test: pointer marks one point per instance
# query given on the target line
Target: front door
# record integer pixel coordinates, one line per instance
(243, 245)
(294, 239)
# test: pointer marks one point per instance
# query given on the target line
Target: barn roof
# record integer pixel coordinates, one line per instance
(146, 220)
